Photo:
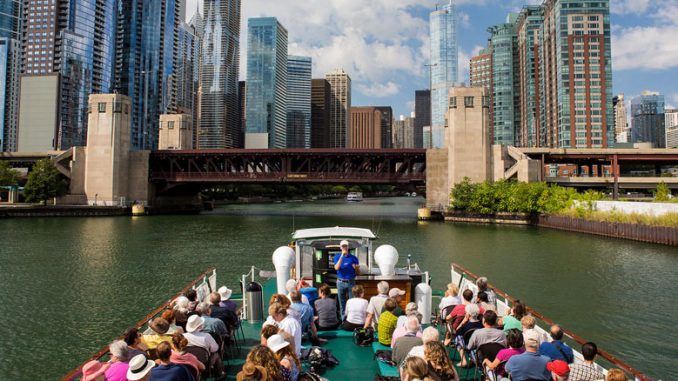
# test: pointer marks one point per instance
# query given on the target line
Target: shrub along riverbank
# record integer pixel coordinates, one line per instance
(541, 198)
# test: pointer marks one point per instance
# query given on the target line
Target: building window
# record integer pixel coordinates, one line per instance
(170, 125)
(117, 107)
(126, 108)
(160, 125)
(102, 107)
(468, 101)
(184, 125)
(453, 102)
(486, 101)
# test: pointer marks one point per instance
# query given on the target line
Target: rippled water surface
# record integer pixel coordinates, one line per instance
(70, 285)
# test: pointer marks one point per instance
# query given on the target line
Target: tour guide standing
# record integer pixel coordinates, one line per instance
(347, 266)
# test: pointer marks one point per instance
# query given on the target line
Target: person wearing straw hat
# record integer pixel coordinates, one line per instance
(284, 353)
(226, 302)
(139, 368)
(195, 337)
(94, 371)
(159, 328)
(347, 266)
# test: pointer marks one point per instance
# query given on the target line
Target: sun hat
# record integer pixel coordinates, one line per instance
(139, 366)
(160, 326)
(276, 343)
(343, 243)
(392, 293)
(194, 323)
(558, 367)
(225, 293)
(93, 369)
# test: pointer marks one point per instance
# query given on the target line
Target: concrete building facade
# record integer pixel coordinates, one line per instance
(38, 113)
(266, 84)
(320, 113)
(108, 149)
(220, 125)
(480, 75)
(404, 132)
(175, 132)
(340, 108)
(621, 123)
(370, 128)
(444, 66)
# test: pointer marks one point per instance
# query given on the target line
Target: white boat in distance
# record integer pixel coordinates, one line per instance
(354, 196)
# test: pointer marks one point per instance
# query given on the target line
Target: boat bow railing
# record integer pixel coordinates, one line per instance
(465, 279)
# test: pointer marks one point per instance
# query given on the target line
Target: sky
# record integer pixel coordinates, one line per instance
(384, 44)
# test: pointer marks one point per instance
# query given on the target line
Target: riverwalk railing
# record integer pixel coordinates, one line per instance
(465, 279)
(203, 284)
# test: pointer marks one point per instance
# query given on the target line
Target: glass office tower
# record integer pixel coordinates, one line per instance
(10, 18)
(266, 84)
(299, 102)
(505, 82)
(444, 69)
(220, 66)
(647, 119)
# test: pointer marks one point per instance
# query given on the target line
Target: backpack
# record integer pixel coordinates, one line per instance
(385, 357)
(320, 358)
(310, 376)
(363, 336)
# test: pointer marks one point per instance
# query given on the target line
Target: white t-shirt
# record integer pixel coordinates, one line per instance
(356, 310)
(449, 301)
(376, 305)
(291, 326)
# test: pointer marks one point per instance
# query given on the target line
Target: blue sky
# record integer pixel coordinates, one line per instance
(383, 44)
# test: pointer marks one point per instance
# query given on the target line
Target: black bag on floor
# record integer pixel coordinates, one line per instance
(319, 358)
(363, 336)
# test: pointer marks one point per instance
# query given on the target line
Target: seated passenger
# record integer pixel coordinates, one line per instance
(210, 324)
(528, 322)
(429, 334)
(326, 308)
(515, 343)
(291, 286)
(376, 305)
(415, 368)
(556, 349)
(559, 369)
(471, 322)
(264, 357)
(488, 334)
(251, 372)
(170, 316)
(483, 303)
(192, 296)
(411, 309)
(397, 295)
(166, 370)
(132, 338)
(587, 370)
(356, 310)
(512, 321)
(451, 297)
(180, 307)
(267, 331)
(197, 338)
(387, 322)
(117, 371)
(222, 313)
(460, 309)
(439, 364)
(226, 302)
(481, 283)
(402, 345)
(285, 355)
(615, 374)
(279, 317)
(181, 357)
(529, 365)
(306, 317)
(159, 326)
(94, 371)
(283, 300)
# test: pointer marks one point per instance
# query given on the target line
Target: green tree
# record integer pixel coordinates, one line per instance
(662, 193)
(44, 182)
(461, 194)
(8, 176)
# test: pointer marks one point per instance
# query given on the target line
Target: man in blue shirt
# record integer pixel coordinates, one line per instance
(347, 266)
(530, 365)
(557, 350)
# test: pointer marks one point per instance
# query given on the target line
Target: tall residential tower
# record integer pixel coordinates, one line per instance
(340, 108)
(299, 102)
(444, 66)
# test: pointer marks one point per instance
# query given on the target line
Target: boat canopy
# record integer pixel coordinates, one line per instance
(336, 231)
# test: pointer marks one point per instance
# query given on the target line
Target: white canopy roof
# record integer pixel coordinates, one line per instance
(335, 232)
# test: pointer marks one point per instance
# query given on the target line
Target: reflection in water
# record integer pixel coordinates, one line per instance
(71, 285)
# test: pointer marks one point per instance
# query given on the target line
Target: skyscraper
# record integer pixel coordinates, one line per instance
(10, 70)
(647, 119)
(340, 107)
(147, 54)
(266, 84)
(188, 74)
(671, 124)
(75, 39)
(320, 113)
(403, 132)
(370, 128)
(444, 69)
(530, 131)
(505, 82)
(481, 76)
(10, 19)
(576, 57)
(621, 124)
(422, 112)
(299, 102)
(220, 65)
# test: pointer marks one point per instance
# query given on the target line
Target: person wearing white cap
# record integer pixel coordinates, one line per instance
(347, 266)
(285, 354)
(139, 368)
(197, 338)
(397, 295)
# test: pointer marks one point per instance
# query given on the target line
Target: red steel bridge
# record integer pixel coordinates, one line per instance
(327, 166)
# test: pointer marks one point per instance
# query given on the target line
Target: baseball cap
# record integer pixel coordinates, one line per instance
(343, 243)
(392, 293)
(559, 367)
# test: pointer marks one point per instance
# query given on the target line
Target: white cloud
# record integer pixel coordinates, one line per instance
(645, 48)
(464, 19)
(674, 97)
(379, 90)
(629, 6)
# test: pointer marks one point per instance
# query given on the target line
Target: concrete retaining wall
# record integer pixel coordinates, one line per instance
(649, 208)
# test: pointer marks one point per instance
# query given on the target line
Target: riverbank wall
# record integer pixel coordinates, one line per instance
(63, 211)
(643, 233)
(495, 218)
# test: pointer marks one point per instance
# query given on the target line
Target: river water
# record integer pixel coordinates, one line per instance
(70, 285)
